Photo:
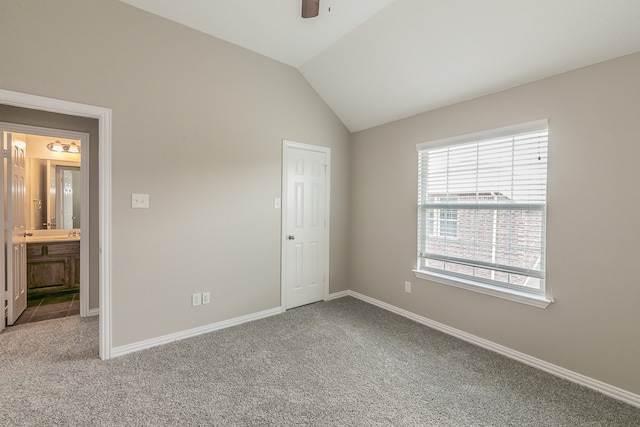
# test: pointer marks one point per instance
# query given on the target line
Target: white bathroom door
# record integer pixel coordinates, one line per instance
(305, 224)
(15, 227)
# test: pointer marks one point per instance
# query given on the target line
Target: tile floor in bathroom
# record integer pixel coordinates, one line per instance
(50, 307)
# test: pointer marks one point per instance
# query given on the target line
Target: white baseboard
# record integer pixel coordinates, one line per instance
(604, 388)
(153, 342)
(338, 295)
(93, 312)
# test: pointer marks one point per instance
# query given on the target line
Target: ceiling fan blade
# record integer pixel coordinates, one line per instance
(310, 8)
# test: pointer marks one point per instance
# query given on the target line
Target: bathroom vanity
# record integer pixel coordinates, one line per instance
(53, 266)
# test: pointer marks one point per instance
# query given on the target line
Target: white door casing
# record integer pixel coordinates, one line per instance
(305, 224)
(15, 226)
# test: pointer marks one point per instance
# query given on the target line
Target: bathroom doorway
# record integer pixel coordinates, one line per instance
(17, 107)
(46, 208)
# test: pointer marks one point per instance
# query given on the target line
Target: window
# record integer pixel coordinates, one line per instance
(482, 211)
(443, 222)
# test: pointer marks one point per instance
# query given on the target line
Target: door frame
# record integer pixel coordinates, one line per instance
(84, 207)
(286, 144)
(103, 115)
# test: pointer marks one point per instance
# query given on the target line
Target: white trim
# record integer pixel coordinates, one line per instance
(93, 312)
(486, 289)
(85, 264)
(485, 135)
(337, 295)
(602, 387)
(103, 115)
(84, 206)
(283, 224)
(189, 333)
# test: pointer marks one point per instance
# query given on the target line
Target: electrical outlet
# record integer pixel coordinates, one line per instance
(196, 299)
(407, 287)
(206, 297)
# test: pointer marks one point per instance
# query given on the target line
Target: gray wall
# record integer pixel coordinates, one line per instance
(593, 212)
(197, 124)
(44, 119)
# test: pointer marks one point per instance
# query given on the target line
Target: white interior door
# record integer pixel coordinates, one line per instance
(15, 227)
(305, 224)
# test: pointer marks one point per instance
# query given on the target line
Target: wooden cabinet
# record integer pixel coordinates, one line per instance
(53, 266)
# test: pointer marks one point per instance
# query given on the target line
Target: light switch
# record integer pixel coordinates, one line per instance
(139, 201)
(196, 299)
(276, 203)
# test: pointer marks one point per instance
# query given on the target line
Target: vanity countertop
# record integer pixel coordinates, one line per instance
(51, 239)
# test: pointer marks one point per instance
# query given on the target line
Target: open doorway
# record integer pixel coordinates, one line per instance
(46, 209)
(16, 107)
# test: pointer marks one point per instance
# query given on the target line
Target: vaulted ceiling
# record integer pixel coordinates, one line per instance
(375, 61)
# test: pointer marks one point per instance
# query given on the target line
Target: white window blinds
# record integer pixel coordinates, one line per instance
(482, 207)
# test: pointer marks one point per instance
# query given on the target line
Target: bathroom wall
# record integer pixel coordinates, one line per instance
(198, 125)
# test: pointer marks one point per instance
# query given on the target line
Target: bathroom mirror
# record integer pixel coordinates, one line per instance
(55, 194)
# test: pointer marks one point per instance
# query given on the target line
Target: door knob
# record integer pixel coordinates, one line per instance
(291, 237)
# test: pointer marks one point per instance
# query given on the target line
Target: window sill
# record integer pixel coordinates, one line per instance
(508, 294)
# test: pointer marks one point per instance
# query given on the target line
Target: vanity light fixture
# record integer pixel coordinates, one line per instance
(74, 148)
(60, 147)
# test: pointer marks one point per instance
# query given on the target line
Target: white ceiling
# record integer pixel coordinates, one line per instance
(273, 28)
(375, 61)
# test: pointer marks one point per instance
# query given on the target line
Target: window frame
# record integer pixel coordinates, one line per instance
(541, 298)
